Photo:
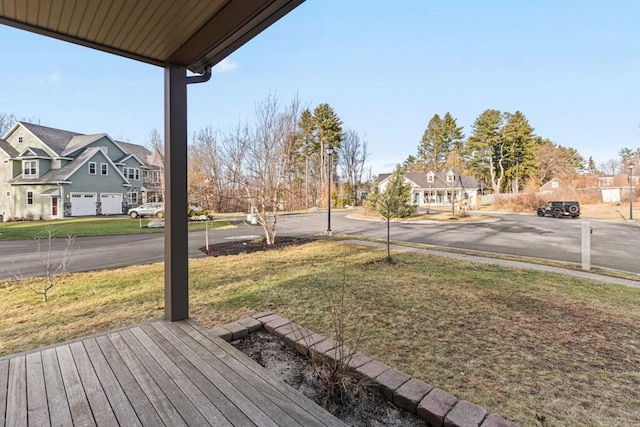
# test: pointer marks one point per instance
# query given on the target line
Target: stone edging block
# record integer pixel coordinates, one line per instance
(409, 394)
(465, 413)
(435, 406)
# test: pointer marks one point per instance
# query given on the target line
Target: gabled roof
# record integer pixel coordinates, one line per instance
(55, 139)
(34, 152)
(63, 143)
(64, 173)
(439, 180)
(142, 153)
(79, 141)
(8, 148)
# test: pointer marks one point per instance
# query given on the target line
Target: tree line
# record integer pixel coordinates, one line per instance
(502, 152)
(278, 161)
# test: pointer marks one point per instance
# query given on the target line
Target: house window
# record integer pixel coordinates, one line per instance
(104, 149)
(29, 197)
(8, 193)
(132, 197)
(430, 177)
(20, 140)
(131, 173)
(104, 169)
(92, 168)
(30, 167)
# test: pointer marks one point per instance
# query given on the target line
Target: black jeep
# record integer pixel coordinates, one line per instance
(559, 209)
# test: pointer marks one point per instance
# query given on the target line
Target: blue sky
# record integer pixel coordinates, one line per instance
(572, 67)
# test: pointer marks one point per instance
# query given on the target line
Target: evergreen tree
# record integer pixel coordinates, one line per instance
(592, 169)
(451, 135)
(442, 136)
(410, 162)
(430, 150)
(485, 150)
(519, 145)
(328, 132)
(327, 126)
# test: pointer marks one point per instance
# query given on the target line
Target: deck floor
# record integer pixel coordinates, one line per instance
(151, 374)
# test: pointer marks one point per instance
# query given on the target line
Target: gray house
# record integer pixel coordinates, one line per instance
(438, 188)
(50, 173)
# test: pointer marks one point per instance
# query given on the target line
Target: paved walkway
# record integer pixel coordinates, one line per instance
(504, 262)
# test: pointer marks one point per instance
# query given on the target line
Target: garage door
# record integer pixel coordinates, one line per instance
(111, 203)
(83, 204)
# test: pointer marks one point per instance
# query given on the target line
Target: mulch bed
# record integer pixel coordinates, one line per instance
(361, 406)
(235, 247)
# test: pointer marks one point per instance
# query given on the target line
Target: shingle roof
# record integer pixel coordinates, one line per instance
(141, 152)
(80, 140)
(55, 139)
(439, 180)
(7, 148)
(36, 152)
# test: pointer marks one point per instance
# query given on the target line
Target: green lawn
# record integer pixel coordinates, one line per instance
(92, 227)
(529, 345)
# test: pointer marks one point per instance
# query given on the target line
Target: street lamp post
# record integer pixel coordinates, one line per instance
(631, 166)
(329, 150)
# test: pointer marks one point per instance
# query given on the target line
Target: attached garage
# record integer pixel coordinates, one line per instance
(83, 204)
(111, 203)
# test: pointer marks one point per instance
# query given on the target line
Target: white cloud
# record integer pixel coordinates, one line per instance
(225, 66)
(51, 79)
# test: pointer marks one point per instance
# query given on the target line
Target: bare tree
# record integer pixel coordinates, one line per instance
(259, 160)
(352, 159)
(52, 266)
(610, 167)
(6, 122)
(206, 175)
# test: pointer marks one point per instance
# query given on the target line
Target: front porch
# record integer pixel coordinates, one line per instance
(149, 374)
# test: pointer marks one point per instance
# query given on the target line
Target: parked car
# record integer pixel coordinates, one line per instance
(559, 209)
(147, 209)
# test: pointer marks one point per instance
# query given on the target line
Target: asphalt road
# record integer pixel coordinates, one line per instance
(614, 244)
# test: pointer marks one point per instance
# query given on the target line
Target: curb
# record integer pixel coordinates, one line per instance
(436, 407)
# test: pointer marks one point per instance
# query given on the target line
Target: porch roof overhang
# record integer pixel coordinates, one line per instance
(196, 34)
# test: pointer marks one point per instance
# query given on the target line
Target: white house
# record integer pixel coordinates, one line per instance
(438, 188)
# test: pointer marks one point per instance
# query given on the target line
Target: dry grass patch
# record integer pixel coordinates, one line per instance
(529, 345)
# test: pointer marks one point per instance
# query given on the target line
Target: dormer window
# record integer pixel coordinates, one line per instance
(30, 168)
(431, 177)
(450, 177)
(92, 168)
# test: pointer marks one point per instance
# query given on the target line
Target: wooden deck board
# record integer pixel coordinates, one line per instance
(59, 411)
(78, 402)
(4, 381)
(250, 409)
(223, 403)
(153, 374)
(37, 407)
(17, 393)
(267, 376)
(139, 401)
(117, 397)
(268, 406)
(270, 396)
(100, 406)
